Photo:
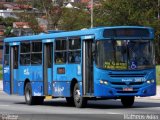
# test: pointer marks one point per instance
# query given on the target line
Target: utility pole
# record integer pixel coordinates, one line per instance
(158, 9)
(91, 13)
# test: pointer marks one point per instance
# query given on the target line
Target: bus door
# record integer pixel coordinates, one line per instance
(87, 62)
(14, 52)
(47, 67)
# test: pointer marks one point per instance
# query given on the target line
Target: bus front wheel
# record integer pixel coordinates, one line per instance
(79, 101)
(127, 101)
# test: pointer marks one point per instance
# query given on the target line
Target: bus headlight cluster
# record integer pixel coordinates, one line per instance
(150, 81)
(103, 82)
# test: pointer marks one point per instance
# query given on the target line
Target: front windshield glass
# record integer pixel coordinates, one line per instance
(125, 54)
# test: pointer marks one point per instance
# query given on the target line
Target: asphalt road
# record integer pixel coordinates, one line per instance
(14, 107)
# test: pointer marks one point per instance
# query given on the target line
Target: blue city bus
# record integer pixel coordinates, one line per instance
(97, 63)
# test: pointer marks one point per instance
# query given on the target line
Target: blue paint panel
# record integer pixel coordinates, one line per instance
(37, 88)
(6, 86)
(36, 73)
(33, 73)
(61, 89)
(74, 71)
(15, 82)
(6, 79)
(20, 88)
(24, 73)
(50, 78)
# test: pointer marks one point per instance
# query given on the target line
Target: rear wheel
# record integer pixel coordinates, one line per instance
(127, 101)
(79, 101)
(32, 100)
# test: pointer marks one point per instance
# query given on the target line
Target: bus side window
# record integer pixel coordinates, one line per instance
(36, 53)
(25, 51)
(60, 51)
(6, 55)
(74, 54)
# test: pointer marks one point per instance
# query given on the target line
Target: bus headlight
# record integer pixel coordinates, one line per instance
(150, 81)
(103, 82)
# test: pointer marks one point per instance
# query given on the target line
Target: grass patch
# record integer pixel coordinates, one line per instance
(158, 74)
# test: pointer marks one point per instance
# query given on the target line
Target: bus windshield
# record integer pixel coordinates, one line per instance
(124, 54)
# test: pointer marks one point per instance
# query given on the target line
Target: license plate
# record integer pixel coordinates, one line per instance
(127, 89)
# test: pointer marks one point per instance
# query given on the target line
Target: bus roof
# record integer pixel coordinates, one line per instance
(92, 31)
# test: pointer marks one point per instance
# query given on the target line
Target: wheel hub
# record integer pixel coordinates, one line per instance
(77, 96)
(28, 95)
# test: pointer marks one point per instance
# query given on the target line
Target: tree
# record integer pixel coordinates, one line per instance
(74, 19)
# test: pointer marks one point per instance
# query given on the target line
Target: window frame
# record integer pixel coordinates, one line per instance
(60, 51)
(25, 53)
(6, 54)
(36, 53)
(74, 51)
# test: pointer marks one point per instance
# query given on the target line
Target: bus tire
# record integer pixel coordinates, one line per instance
(70, 101)
(127, 101)
(38, 100)
(79, 101)
(30, 100)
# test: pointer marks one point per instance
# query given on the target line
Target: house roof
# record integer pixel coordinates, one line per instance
(21, 25)
(14, 6)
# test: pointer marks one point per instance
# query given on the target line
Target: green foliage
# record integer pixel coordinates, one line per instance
(158, 74)
(126, 12)
(7, 21)
(74, 19)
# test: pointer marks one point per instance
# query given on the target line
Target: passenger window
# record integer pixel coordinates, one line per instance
(6, 55)
(25, 47)
(24, 59)
(60, 51)
(74, 54)
(74, 44)
(61, 45)
(36, 53)
(60, 57)
(25, 53)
